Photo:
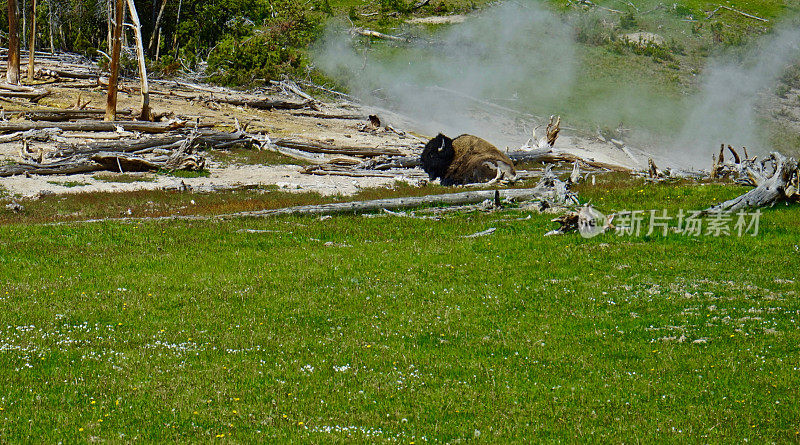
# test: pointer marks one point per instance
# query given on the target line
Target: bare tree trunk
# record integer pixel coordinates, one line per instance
(137, 30)
(151, 45)
(158, 45)
(177, 22)
(110, 27)
(32, 41)
(24, 9)
(111, 102)
(124, 33)
(50, 23)
(12, 73)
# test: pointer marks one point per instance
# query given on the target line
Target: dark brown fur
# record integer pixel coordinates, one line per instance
(476, 160)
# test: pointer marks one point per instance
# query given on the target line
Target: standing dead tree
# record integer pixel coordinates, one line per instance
(156, 28)
(111, 102)
(50, 25)
(137, 30)
(12, 73)
(32, 42)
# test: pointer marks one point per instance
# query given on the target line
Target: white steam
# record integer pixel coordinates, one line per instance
(509, 53)
(514, 58)
(725, 111)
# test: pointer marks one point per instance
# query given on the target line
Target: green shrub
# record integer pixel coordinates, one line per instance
(628, 21)
(591, 30)
(782, 90)
(659, 53)
(260, 54)
(791, 76)
(728, 37)
(682, 11)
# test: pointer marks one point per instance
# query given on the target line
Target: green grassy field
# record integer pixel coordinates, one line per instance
(398, 329)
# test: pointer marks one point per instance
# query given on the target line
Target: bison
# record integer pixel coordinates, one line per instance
(464, 160)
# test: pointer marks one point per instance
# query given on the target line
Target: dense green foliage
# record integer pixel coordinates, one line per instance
(252, 41)
(245, 54)
(381, 329)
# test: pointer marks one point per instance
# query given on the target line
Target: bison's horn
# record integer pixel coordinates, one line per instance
(442, 147)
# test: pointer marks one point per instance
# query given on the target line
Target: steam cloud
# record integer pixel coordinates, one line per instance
(726, 108)
(510, 53)
(522, 57)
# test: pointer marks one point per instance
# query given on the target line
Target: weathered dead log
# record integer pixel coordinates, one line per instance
(44, 134)
(5, 86)
(575, 176)
(553, 128)
(388, 162)
(329, 170)
(143, 127)
(548, 156)
(66, 115)
(470, 197)
(653, 172)
(553, 190)
(33, 95)
(262, 104)
(183, 158)
(586, 220)
(289, 85)
(319, 147)
(124, 162)
(378, 35)
(744, 171)
(121, 146)
(65, 74)
(203, 139)
(774, 184)
(736, 11)
(64, 167)
(319, 115)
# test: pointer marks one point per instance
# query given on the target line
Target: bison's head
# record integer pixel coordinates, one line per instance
(437, 156)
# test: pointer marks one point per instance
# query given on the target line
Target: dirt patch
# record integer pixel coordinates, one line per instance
(342, 123)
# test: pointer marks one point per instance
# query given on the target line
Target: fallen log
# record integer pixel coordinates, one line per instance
(33, 96)
(319, 147)
(776, 181)
(736, 11)
(333, 170)
(386, 163)
(123, 162)
(322, 170)
(44, 134)
(203, 139)
(548, 156)
(588, 221)
(64, 167)
(67, 115)
(378, 35)
(319, 115)
(64, 74)
(142, 127)
(120, 146)
(471, 197)
(261, 104)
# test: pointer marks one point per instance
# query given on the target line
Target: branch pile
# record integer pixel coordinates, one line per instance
(775, 179)
(177, 150)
